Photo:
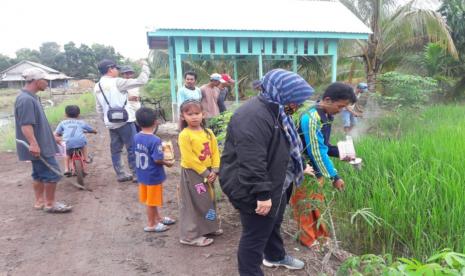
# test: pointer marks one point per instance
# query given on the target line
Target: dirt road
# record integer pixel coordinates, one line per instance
(104, 236)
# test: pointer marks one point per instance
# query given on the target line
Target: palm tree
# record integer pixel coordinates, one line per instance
(454, 12)
(396, 30)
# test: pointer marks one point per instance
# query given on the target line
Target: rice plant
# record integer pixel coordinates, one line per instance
(413, 180)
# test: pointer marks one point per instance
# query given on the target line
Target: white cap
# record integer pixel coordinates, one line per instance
(216, 77)
(34, 74)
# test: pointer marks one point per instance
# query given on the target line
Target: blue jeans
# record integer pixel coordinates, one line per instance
(42, 173)
(121, 137)
(348, 119)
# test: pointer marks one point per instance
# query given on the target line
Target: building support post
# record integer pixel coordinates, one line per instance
(334, 68)
(172, 82)
(260, 66)
(236, 83)
(294, 64)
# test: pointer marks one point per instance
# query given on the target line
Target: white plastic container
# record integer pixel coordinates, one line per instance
(61, 149)
(356, 163)
(346, 149)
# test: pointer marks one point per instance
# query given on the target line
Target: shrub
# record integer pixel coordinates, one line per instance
(160, 89)
(445, 263)
(406, 90)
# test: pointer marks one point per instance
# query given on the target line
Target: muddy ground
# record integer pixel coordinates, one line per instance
(103, 235)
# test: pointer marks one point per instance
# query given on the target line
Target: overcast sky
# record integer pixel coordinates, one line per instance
(28, 23)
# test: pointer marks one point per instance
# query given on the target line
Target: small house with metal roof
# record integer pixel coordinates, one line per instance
(12, 76)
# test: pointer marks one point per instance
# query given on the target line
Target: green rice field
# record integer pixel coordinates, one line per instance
(412, 181)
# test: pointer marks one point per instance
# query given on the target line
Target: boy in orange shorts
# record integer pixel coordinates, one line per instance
(150, 171)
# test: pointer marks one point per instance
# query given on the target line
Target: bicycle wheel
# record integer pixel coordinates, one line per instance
(155, 129)
(160, 116)
(79, 170)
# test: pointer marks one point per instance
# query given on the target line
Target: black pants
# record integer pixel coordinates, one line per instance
(260, 236)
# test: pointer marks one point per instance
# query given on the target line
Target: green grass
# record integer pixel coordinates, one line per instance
(159, 89)
(86, 103)
(413, 179)
(8, 142)
(7, 99)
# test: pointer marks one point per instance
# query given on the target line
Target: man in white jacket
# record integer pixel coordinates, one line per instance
(127, 72)
(121, 134)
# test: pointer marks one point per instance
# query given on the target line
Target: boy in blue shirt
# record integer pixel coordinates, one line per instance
(73, 132)
(150, 171)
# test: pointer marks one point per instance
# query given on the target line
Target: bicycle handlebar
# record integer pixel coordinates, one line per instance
(153, 100)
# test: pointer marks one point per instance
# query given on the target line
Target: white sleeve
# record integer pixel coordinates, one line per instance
(125, 84)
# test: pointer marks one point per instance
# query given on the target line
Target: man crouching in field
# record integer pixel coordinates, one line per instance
(32, 127)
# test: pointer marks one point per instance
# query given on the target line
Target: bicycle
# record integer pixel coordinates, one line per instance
(159, 110)
(78, 165)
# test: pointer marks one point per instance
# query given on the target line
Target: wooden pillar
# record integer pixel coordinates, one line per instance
(236, 83)
(334, 68)
(174, 106)
(260, 66)
(333, 51)
(294, 64)
(50, 88)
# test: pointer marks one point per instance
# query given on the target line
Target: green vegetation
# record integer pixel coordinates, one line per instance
(219, 125)
(444, 263)
(412, 182)
(75, 61)
(8, 135)
(159, 89)
(7, 99)
(86, 103)
(406, 90)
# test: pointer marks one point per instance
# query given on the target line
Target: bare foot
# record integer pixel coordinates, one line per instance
(39, 205)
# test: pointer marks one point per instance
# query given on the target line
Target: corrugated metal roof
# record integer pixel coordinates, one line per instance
(14, 72)
(19, 67)
(240, 15)
(48, 77)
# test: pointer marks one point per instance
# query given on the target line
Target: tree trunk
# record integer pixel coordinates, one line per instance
(372, 61)
(371, 81)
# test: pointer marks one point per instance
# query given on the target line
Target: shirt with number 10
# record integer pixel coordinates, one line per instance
(148, 148)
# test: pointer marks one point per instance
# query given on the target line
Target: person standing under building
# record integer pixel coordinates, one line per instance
(225, 87)
(210, 95)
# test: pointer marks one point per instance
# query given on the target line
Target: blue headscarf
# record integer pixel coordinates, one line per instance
(284, 87)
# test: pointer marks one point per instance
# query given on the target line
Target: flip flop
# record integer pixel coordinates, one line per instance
(167, 221)
(39, 207)
(58, 208)
(218, 232)
(160, 227)
(200, 242)
(125, 178)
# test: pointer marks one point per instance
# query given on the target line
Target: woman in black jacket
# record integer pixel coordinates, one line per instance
(260, 161)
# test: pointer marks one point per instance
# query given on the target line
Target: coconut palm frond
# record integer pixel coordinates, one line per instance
(412, 28)
(158, 63)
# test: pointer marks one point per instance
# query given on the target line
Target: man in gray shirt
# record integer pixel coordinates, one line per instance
(32, 127)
